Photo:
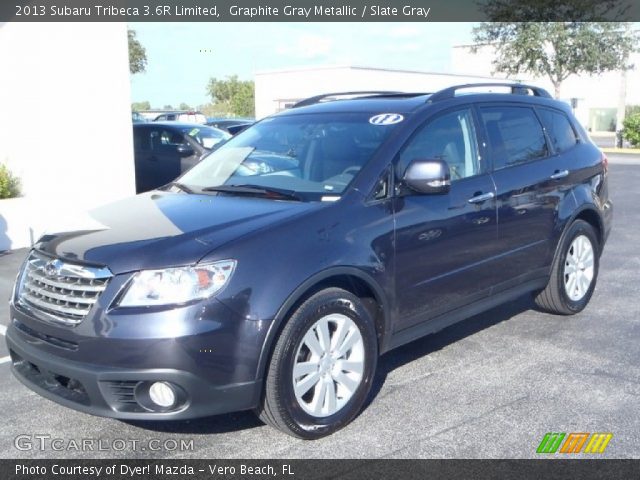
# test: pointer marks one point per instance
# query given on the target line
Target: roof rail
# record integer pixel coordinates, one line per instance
(516, 89)
(318, 98)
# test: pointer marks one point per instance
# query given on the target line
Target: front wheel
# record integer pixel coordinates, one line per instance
(574, 272)
(322, 366)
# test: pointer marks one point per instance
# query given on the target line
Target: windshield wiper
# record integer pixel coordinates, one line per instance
(246, 189)
(179, 185)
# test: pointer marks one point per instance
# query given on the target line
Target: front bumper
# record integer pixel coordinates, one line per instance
(111, 392)
(607, 220)
(210, 358)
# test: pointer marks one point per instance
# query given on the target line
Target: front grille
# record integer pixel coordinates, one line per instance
(58, 291)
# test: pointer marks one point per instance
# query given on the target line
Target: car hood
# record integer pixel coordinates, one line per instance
(162, 229)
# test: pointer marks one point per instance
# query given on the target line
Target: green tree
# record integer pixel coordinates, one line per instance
(137, 106)
(184, 106)
(9, 184)
(631, 129)
(556, 49)
(168, 107)
(237, 97)
(137, 54)
(631, 110)
(214, 110)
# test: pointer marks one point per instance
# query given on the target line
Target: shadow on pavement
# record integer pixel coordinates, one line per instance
(437, 341)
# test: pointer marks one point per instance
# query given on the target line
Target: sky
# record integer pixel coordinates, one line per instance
(182, 57)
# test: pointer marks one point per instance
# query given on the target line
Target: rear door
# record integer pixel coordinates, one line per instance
(531, 180)
(142, 153)
(158, 160)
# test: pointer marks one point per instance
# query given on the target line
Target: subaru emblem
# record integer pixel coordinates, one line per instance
(52, 268)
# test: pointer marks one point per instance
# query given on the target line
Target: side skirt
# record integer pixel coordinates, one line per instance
(445, 320)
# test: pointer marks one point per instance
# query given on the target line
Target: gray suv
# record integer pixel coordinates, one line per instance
(273, 274)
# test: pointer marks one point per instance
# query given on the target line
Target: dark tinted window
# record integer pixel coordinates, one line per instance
(515, 135)
(558, 129)
(450, 137)
(165, 140)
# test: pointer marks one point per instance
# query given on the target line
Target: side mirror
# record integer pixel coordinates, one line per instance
(430, 176)
(184, 150)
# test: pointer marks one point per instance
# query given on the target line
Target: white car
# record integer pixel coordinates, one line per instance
(182, 116)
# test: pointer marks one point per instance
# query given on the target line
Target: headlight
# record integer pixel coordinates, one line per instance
(177, 285)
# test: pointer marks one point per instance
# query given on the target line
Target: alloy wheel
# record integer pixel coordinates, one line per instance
(578, 268)
(329, 365)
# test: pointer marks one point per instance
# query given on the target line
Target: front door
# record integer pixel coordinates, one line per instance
(445, 244)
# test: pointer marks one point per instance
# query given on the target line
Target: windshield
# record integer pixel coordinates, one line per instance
(206, 136)
(315, 156)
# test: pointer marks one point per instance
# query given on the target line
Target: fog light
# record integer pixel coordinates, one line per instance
(162, 394)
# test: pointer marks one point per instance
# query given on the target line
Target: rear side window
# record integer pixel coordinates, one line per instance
(515, 135)
(559, 130)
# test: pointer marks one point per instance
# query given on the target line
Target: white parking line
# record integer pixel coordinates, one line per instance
(3, 331)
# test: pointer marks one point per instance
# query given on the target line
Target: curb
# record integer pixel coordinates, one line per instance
(623, 151)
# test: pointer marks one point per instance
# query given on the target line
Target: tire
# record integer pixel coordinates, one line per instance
(341, 377)
(562, 295)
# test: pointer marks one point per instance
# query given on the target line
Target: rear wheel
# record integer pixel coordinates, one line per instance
(322, 366)
(574, 272)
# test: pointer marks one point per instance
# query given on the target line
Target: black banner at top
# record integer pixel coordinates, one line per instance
(317, 10)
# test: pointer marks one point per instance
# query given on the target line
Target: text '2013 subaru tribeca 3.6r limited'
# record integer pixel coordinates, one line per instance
(273, 274)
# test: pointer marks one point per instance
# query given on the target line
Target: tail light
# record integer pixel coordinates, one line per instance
(605, 163)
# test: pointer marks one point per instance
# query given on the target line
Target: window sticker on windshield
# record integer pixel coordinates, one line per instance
(194, 132)
(386, 119)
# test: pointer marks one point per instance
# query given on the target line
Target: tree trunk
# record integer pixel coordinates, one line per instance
(556, 87)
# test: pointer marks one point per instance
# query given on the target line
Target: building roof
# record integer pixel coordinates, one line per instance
(312, 68)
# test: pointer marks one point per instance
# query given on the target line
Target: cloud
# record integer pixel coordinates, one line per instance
(405, 47)
(307, 46)
(405, 31)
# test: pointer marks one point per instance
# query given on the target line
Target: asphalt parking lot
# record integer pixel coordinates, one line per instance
(490, 387)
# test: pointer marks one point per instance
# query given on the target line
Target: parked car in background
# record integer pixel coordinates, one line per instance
(231, 125)
(136, 117)
(165, 150)
(182, 116)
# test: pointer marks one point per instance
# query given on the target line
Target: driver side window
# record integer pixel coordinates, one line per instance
(450, 137)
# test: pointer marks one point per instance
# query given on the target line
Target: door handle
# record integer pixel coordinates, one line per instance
(559, 174)
(482, 197)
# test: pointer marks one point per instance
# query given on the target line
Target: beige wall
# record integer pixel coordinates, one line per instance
(54, 75)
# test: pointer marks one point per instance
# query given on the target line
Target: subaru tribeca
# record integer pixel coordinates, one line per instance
(273, 274)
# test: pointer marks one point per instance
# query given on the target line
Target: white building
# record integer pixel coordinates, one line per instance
(280, 89)
(600, 98)
(54, 75)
